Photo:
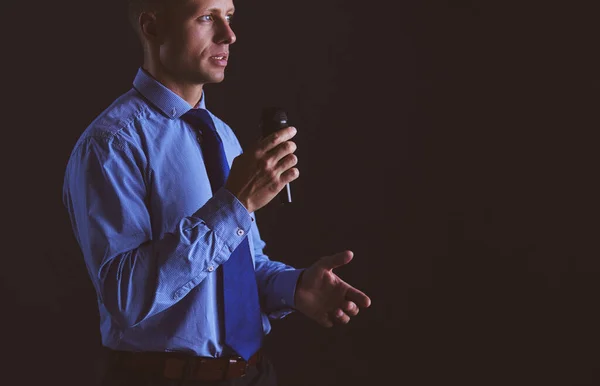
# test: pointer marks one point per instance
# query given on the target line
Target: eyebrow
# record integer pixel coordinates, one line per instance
(217, 10)
(194, 8)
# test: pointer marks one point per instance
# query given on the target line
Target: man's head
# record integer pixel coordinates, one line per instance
(185, 42)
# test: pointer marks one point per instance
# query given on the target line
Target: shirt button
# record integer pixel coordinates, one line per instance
(240, 232)
(211, 268)
(174, 111)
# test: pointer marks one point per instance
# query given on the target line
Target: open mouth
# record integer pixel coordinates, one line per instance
(219, 60)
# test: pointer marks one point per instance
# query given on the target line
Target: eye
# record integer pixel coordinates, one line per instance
(205, 18)
(229, 18)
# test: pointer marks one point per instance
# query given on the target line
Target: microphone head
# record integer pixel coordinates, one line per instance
(273, 119)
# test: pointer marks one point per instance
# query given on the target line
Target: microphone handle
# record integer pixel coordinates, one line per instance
(285, 195)
(270, 123)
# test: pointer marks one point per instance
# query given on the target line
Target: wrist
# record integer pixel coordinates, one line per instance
(244, 201)
(297, 289)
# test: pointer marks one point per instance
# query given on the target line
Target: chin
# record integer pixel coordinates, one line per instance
(207, 78)
(216, 78)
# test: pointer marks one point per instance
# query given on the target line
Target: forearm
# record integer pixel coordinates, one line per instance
(138, 283)
(277, 291)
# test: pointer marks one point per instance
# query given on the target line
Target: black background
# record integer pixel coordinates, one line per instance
(450, 144)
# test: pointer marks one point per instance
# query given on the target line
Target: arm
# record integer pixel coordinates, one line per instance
(276, 280)
(136, 276)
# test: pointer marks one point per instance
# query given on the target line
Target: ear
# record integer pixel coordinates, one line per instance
(149, 28)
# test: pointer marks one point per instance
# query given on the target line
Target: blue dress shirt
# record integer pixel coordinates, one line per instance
(152, 233)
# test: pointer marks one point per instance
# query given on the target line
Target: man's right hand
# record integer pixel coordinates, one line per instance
(257, 175)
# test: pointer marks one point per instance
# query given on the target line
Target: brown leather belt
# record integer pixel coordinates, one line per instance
(179, 366)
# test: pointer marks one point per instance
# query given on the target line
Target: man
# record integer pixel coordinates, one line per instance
(165, 242)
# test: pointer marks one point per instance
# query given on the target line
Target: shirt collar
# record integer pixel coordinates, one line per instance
(169, 103)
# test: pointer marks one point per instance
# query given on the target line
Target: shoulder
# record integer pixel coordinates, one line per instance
(111, 143)
(116, 125)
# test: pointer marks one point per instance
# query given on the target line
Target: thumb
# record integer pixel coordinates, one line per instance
(337, 260)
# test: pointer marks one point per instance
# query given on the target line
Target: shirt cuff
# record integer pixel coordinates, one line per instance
(284, 285)
(227, 217)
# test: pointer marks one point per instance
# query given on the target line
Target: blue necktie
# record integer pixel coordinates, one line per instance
(243, 324)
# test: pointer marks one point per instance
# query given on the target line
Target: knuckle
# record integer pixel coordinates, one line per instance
(273, 188)
(262, 163)
(275, 138)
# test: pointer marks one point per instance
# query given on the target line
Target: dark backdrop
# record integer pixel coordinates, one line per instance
(449, 143)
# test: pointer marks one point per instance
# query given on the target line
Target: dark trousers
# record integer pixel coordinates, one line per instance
(262, 374)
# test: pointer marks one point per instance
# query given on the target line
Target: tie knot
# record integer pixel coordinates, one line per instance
(199, 118)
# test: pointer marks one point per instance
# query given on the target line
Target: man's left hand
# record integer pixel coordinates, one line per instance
(324, 297)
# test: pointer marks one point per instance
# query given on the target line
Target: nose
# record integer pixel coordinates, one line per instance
(226, 35)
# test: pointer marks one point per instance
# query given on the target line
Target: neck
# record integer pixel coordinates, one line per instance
(191, 93)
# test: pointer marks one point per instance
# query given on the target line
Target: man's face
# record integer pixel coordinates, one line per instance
(195, 40)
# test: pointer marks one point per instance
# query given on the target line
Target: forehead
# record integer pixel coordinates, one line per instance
(195, 6)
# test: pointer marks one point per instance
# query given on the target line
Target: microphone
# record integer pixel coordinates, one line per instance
(273, 119)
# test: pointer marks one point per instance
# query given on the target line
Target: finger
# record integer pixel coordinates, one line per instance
(276, 138)
(289, 175)
(337, 260)
(350, 308)
(340, 317)
(358, 297)
(287, 162)
(280, 151)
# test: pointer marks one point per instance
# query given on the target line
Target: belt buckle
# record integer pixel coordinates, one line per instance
(236, 368)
